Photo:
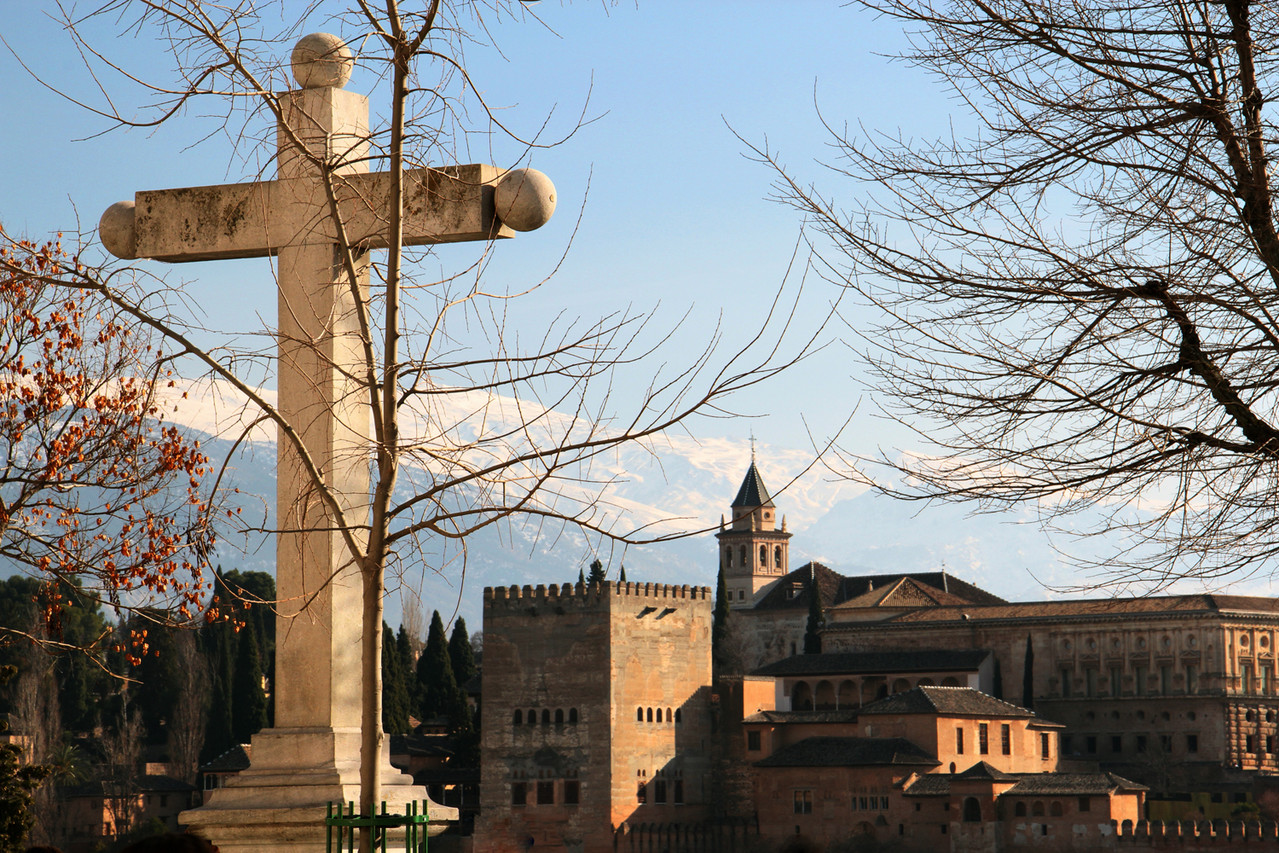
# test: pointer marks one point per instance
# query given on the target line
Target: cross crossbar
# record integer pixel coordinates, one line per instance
(255, 220)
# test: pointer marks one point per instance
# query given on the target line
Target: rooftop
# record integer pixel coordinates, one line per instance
(849, 752)
(957, 701)
(850, 663)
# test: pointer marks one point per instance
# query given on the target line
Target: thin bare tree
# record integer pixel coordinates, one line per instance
(186, 724)
(471, 423)
(1077, 288)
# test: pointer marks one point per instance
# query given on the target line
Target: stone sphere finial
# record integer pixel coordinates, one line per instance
(525, 199)
(322, 60)
(118, 232)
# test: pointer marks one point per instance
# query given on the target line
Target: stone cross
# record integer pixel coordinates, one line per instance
(311, 755)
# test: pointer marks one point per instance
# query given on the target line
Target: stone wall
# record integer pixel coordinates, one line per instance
(616, 677)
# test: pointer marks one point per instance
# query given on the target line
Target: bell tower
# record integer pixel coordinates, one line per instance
(752, 550)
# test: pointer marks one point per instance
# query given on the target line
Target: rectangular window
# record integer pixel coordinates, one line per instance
(679, 792)
(1249, 744)
(804, 801)
(1245, 678)
(1263, 674)
(1141, 681)
(1165, 744)
(1116, 744)
(1090, 682)
(1192, 743)
(1165, 679)
(1090, 743)
(546, 793)
(519, 793)
(1006, 738)
(752, 741)
(983, 738)
(1270, 744)
(641, 794)
(1067, 744)
(959, 740)
(1044, 749)
(1116, 681)
(659, 791)
(1085, 804)
(572, 792)
(1065, 683)
(1192, 678)
(1141, 743)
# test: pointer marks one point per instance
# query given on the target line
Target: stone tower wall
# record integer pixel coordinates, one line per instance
(594, 655)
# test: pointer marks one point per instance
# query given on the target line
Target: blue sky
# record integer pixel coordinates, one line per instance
(676, 219)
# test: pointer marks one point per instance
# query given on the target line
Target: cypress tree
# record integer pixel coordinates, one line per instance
(395, 698)
(1028, 677)
(621, 575)
(248, 709)
(435, 678)
(816, 618)
(719, 624)
(404, 651)
(460, 654)
(581, 578)
(597, 574)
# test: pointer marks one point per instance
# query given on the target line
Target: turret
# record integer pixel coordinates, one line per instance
(752, 551)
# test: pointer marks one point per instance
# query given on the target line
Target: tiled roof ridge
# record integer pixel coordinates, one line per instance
(1018, 708)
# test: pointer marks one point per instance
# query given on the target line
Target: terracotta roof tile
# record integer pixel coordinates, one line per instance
(849, 752)
(850, 663)
(962, 701)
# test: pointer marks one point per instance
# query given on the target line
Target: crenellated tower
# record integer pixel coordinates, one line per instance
(752, 549)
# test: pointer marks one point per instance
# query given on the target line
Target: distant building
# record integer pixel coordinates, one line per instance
(919, 767)
(939, 717)
(596, 713)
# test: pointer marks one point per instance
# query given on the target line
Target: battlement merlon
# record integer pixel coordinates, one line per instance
(564, 595)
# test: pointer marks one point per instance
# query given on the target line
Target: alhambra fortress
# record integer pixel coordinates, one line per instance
(937, 717)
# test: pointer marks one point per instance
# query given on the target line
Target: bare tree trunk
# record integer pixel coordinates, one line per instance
(189, 718)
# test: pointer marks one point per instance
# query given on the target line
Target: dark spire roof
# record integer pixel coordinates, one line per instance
(753, 491)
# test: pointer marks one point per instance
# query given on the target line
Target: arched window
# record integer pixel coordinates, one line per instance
(741, 552)
(518, 720)
(572, 716)
(763, 556)
(559, 716)
(801, 697)
(669, 718)
(639, 715)
(728, 556)
(901, 685)
(1055, 808)
(972, 810)
(777, 556)
(532, 717)
(678, 717)
(950, 681)
(546, 716)
(650, 715)
(824, 700)
(847, 697)
(1019, 810)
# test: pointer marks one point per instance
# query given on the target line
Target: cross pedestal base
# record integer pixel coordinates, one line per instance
(298, 772)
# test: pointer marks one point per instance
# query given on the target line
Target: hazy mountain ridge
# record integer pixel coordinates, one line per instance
(684, 485)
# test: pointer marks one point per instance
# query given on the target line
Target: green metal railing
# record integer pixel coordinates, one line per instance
(341, 823)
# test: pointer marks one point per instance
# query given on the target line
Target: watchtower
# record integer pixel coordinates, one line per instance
(596, 712)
